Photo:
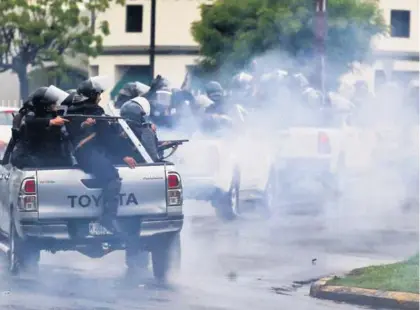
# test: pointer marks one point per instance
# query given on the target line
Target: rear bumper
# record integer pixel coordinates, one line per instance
(64, 231)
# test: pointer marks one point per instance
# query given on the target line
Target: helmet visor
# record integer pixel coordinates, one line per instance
(141, 88)
(55, 94)
(101, 83)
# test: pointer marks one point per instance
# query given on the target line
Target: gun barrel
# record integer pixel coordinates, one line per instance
(97, 117)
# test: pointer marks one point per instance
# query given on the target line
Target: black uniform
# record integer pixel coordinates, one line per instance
(134, 114)
(37, 143)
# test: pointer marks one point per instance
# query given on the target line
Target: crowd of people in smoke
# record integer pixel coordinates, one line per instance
(288, 96)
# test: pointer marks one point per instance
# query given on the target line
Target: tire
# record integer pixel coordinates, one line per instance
(270, 201)
(22, 255)
(136, 259)
(228, 207)
(166, 255)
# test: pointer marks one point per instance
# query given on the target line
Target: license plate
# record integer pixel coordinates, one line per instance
(96, 229)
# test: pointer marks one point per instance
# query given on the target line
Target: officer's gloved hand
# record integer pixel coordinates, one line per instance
(58, 121)
(89, 122)
(130, 161)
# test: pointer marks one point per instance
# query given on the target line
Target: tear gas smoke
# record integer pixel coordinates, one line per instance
(367, 180)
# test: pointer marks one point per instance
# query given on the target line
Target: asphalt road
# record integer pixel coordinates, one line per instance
(249, 264)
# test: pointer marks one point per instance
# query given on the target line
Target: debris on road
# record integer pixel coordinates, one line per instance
(232, 276)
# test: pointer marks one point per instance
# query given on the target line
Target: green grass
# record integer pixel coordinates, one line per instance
(399, 277)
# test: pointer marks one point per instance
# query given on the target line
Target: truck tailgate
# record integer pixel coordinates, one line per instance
(71, 193)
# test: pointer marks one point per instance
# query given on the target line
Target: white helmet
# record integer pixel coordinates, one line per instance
(143, 103)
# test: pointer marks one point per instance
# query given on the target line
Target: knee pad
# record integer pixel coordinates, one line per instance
(115, 184)
(113, 187)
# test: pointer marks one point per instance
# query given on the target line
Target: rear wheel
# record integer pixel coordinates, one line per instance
(227, 208)
(136, 259)
(270, 202)
(166, 255)
(22, 256)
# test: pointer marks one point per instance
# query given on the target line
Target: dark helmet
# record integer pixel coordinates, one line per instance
(129, 91)
(72, 98)
(38, 97)
(214, 90)
(160, 83)
(45, 97)
(136, 109)
(93, 87)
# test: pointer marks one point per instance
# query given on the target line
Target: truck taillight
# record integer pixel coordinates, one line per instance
(29, 186)
(174, 189)
(324, 146)
(27, 198)
(173, 181)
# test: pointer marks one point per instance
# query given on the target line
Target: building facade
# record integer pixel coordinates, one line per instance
(397, 54)
(126, 49)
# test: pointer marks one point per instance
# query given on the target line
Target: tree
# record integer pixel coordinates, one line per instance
(233, 32)
(34, 33)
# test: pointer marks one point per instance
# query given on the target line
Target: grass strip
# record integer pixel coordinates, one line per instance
(399, 277)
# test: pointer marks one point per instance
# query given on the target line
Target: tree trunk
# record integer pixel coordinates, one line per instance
(23, 84)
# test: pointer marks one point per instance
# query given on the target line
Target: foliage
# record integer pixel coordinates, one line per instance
(233, 32)
(35, 32)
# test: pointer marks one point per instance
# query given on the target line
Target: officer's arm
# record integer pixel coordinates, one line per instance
(36, 123)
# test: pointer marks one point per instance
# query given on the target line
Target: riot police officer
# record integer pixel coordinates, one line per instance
(243, 89)
(38, 130)
(215, 93)
(135, 112)
(92, 141)
(220, 111)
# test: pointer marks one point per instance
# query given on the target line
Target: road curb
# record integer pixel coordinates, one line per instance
(365, 297)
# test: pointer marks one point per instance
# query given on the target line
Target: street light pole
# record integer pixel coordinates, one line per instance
(320, 37)
(152, 48)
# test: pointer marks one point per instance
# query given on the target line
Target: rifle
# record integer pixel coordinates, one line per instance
(164, 145)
